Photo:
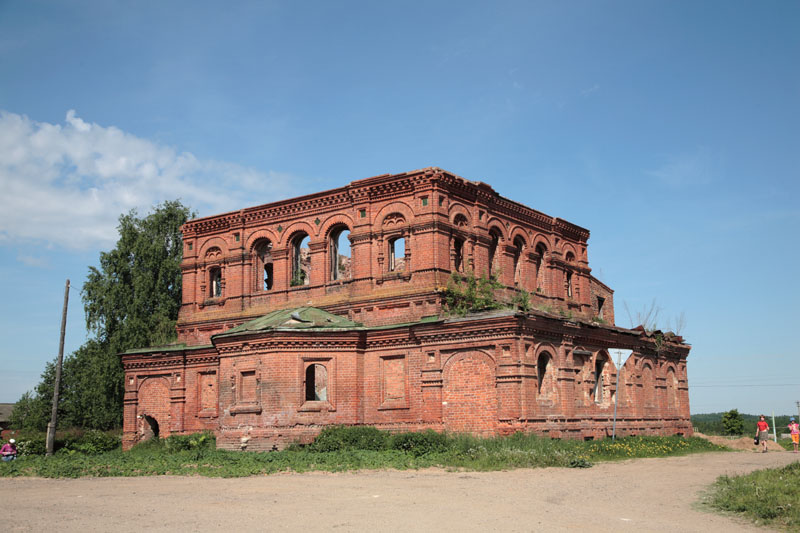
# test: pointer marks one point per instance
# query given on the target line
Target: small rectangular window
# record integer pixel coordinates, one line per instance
(190, 246)
(441, 201)
(362, 213)
(236, 237)
(600, 302)
(424, 200)
(247, 384)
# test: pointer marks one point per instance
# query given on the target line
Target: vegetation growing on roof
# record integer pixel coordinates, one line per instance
(466, 293)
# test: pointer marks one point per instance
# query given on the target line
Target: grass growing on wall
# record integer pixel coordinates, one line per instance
(769, 497)
(340, 449)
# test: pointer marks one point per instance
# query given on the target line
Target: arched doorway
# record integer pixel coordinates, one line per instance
(150, 428)
(154, 408)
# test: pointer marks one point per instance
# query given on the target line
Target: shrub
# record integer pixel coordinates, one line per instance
(33, 445)
(196, 441)
(419, 444)
(522, 301)
(93, 442)
(335, 438)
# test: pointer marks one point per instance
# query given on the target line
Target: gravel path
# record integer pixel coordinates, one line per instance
(636, 495)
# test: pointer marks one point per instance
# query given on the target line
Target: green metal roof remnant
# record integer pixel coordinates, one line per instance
(177, 347)
(300, 318)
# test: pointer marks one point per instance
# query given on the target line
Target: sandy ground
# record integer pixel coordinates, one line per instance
(637, 495)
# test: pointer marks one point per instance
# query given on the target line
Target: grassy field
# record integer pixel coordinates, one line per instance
(339, 449)
(769, 497)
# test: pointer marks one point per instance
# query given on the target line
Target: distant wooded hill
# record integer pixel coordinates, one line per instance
(711, 423)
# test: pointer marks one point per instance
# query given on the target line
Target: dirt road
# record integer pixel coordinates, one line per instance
(637, 495)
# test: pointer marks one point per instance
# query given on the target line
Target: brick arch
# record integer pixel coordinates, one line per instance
(334, 221)
(289, 233)
(567, 248)
(548, 347)
(260, 269)
(153, 400)
(543, 240)
(627, 381)
(496, 223)
(211, 243)
(519, 264)
(341, 223)
(673, 398)
(258, 235)
(648, 382)
(608, 368)
(518, 231)
(459, 209)
(547, 387)
(395, 207)
(469, 394)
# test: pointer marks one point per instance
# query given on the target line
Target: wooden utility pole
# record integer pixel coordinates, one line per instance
(51, 427)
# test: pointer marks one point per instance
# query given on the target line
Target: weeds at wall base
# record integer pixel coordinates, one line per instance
(351, 449)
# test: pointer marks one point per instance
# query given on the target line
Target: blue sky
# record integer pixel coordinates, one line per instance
(669, 129)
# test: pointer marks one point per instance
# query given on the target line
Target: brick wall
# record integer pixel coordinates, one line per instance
(486, 374)
(429, 209)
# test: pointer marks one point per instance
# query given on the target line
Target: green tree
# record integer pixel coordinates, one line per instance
(32, 411)
(732, 422)
(131, 300)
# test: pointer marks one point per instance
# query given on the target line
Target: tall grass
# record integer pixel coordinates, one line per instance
(770, 497)
(338, 449)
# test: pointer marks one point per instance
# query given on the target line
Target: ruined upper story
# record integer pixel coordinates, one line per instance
(406, 233)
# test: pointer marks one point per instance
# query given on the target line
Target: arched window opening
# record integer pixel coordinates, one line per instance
(570, 257)
(458, 254)
(397, 254)
(544, 372)
(264, 272)
(672, 389)
(301, 261)
(215, 282)
(340, 254)
(316, 383)
(541, 251)
(494, 235)
(519, 246)
(649, 386)
(597, 391)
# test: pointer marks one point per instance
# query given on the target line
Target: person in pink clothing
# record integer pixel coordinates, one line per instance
(794, 430)
(9, 450)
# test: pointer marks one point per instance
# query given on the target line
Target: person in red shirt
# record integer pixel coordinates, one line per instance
(762, 432)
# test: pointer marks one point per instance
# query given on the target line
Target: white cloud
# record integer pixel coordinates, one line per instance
(33, 261)
(66, 185)
(590, 90)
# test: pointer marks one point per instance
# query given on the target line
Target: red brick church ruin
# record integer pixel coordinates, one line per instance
(282, 331)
